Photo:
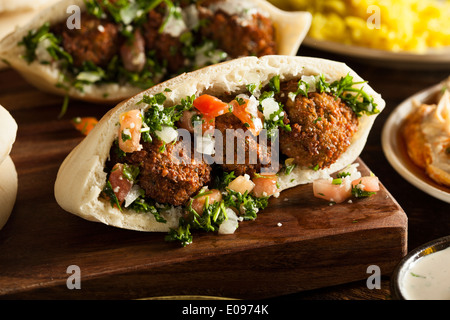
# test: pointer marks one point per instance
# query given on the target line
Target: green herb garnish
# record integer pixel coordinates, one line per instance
(355, 98)
(358, 193)
(109, 193)
(249, 203)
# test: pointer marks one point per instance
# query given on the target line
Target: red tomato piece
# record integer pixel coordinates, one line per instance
(210, 106)
(120, 185)
(265, 185)
(370, 183)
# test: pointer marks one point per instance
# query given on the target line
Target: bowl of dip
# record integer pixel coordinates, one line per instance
(424, 273)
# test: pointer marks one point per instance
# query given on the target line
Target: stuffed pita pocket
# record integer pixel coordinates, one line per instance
(122, 48)
(8, 174)
(139, 167)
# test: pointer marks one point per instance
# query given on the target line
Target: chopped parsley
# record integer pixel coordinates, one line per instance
(247, 204)
(276, 119)
(336, 181)
(343, 174)
(34, 37)
(303, 88)
(289, 168)
(212, 216)
(108, 192)
(357, 99)
(130, 172)
(156, 116)
(142, 205)
(359, 193)
(182, 234)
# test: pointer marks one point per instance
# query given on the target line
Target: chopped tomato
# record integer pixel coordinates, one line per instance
(325, 189)
(120, 185)
(241, 184)
(208, 123)
(210, 106)
(130, 131)
(84, 124)
(265, 185)
(370, 183)
(198, 203)
(248, 115)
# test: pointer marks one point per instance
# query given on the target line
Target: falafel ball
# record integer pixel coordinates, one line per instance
(243, 143)
(250, 36)
(167, 48)
(96, 41)
(167, 174)
(322, 128)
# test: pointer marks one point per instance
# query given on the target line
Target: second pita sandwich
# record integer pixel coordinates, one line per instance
(106, 51)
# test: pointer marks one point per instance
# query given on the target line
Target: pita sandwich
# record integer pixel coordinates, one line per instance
(138, 168)
(119, 49)
(8, 174)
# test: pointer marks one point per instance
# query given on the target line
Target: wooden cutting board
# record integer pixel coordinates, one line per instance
(298, 243)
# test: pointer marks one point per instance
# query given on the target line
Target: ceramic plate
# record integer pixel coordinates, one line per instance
(432, 59)
(395, 150)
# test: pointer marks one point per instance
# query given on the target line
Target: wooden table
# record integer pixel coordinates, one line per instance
(427, 217)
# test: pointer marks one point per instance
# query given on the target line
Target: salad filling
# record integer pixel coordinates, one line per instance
(141, 43)
(157, 160)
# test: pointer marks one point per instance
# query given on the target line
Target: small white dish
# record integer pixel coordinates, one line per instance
(432, 269)
(395, 150)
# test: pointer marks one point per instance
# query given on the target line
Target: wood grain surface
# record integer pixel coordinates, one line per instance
(317, 245)
(319, 252)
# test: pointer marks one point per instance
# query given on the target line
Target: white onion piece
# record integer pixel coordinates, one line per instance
(230, 225)
(167, 134)
(269, 106)
(134, 193)
(311, 81)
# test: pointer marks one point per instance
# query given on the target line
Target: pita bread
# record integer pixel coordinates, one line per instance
(291, 28)
(14, 14)
(8, 174)
(8, 131)
(81, 178)
(22, 5)
(8, 189)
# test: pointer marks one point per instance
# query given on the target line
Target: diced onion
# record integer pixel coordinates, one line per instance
(175, 25)
(311, 81)
(167, 134)
(269, 106)
(42, 52)
(89, 76)
(127, 14)
(134, 193)
(191, 16)
(230, 225)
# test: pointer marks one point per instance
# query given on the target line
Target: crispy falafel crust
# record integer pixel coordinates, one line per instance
(322, 128)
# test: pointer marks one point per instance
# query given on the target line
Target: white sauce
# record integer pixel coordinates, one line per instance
(242, 9)
(428, 278)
